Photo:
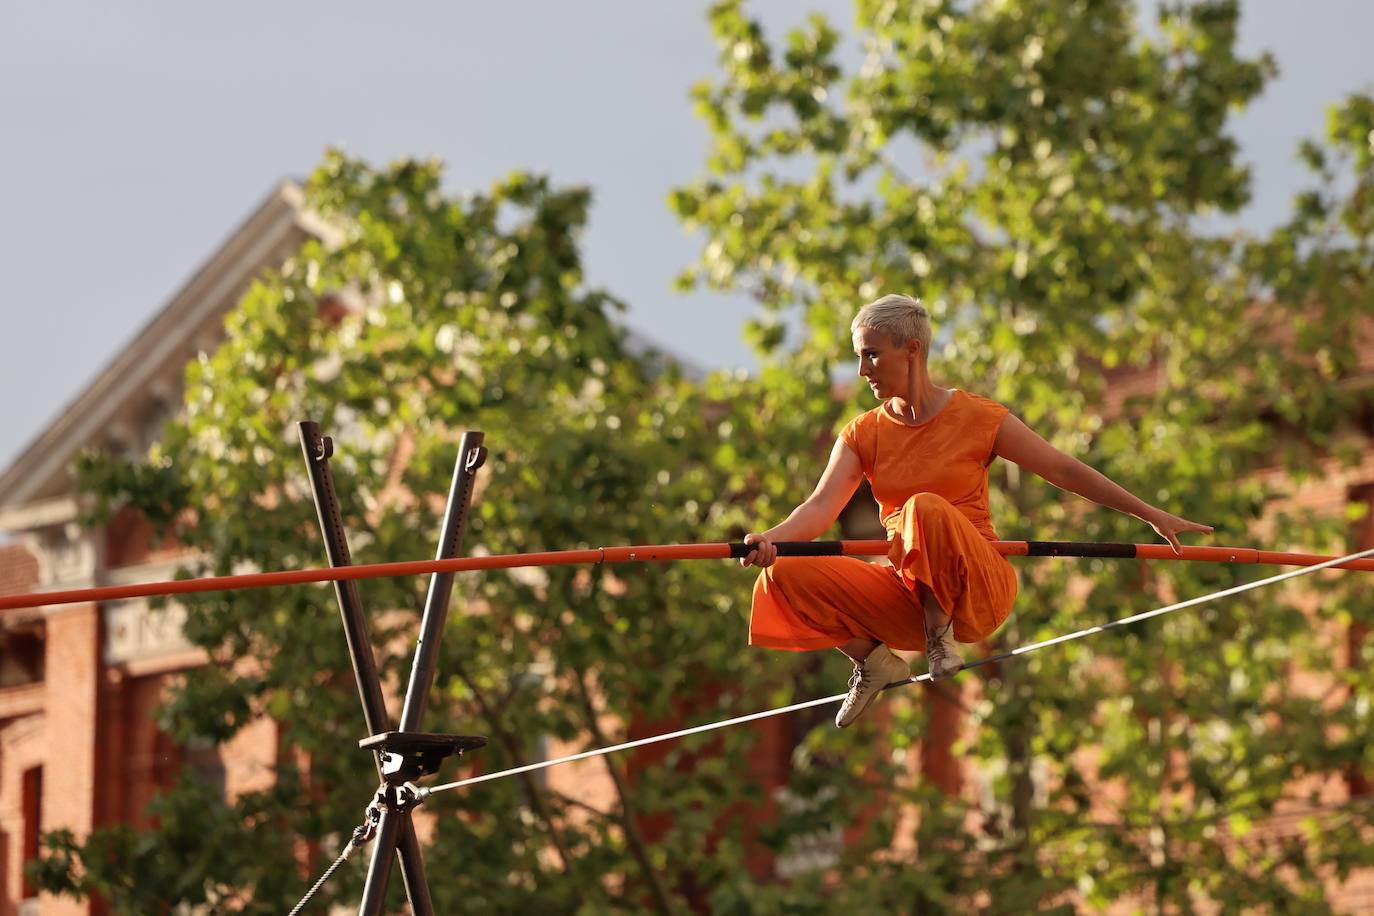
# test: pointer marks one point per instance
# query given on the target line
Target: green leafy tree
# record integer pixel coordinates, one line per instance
(474, 316)
(1040, 172)
(1034, 169)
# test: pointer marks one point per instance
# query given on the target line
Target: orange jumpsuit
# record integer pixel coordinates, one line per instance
(931, 483)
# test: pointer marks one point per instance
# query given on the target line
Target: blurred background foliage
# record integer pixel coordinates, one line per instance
(1043, 174)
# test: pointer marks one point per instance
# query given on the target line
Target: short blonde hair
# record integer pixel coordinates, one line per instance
(900, 317)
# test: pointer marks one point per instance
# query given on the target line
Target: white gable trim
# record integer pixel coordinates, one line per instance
(190, 322)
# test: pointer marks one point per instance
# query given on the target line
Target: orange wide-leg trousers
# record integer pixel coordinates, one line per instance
(803, 603)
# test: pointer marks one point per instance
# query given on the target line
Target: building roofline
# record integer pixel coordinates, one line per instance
(173, 327)
(185, 325)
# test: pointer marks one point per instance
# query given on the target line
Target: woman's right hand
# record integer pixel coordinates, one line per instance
(1170, 526)
(763, 556)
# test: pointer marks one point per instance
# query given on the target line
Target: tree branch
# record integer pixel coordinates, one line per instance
(632, 835)
(512, 748)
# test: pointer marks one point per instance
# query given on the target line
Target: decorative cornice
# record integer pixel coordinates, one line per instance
(68, 556)
(24, 700)
(135, 632)
(39, 514)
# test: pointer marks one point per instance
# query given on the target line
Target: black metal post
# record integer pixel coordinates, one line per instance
(317, 450)
(471, 454)
(383, 846)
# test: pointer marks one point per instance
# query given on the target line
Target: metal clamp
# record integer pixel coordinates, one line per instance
(397, 799)
(372, 816)
(409, 755)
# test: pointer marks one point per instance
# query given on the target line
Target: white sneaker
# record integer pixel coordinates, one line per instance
(940, 655)
(870, 677)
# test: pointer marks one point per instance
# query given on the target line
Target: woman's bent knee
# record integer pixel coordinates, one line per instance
(784, 569)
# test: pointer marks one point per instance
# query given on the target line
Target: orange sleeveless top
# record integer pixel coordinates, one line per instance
(947, 455)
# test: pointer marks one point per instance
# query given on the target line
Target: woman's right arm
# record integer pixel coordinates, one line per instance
(838, 482)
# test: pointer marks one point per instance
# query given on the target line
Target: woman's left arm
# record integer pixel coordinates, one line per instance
(1018, 443)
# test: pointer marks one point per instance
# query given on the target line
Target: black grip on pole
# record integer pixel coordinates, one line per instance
(740, 550)
(1080, 549)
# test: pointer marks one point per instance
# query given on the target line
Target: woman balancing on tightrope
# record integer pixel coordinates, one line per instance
(925, 451)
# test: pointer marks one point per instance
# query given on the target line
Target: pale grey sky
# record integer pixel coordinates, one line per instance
(135, 136)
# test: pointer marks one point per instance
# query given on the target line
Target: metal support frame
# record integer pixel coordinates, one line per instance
(405, 752)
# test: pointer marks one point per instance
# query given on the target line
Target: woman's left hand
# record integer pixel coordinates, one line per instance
(1170, 527)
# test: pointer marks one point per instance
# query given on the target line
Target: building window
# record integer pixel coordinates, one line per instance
(21, 653)
(817, 850)
(202, 757)
(32, 815)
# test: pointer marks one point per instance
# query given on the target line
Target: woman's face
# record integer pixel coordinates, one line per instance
(885, 365)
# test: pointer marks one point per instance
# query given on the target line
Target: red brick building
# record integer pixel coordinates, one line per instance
(78, 683)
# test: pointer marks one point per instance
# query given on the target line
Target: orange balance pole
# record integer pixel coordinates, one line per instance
(650, 553)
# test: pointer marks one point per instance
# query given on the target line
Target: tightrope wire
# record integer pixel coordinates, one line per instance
(782, 710)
